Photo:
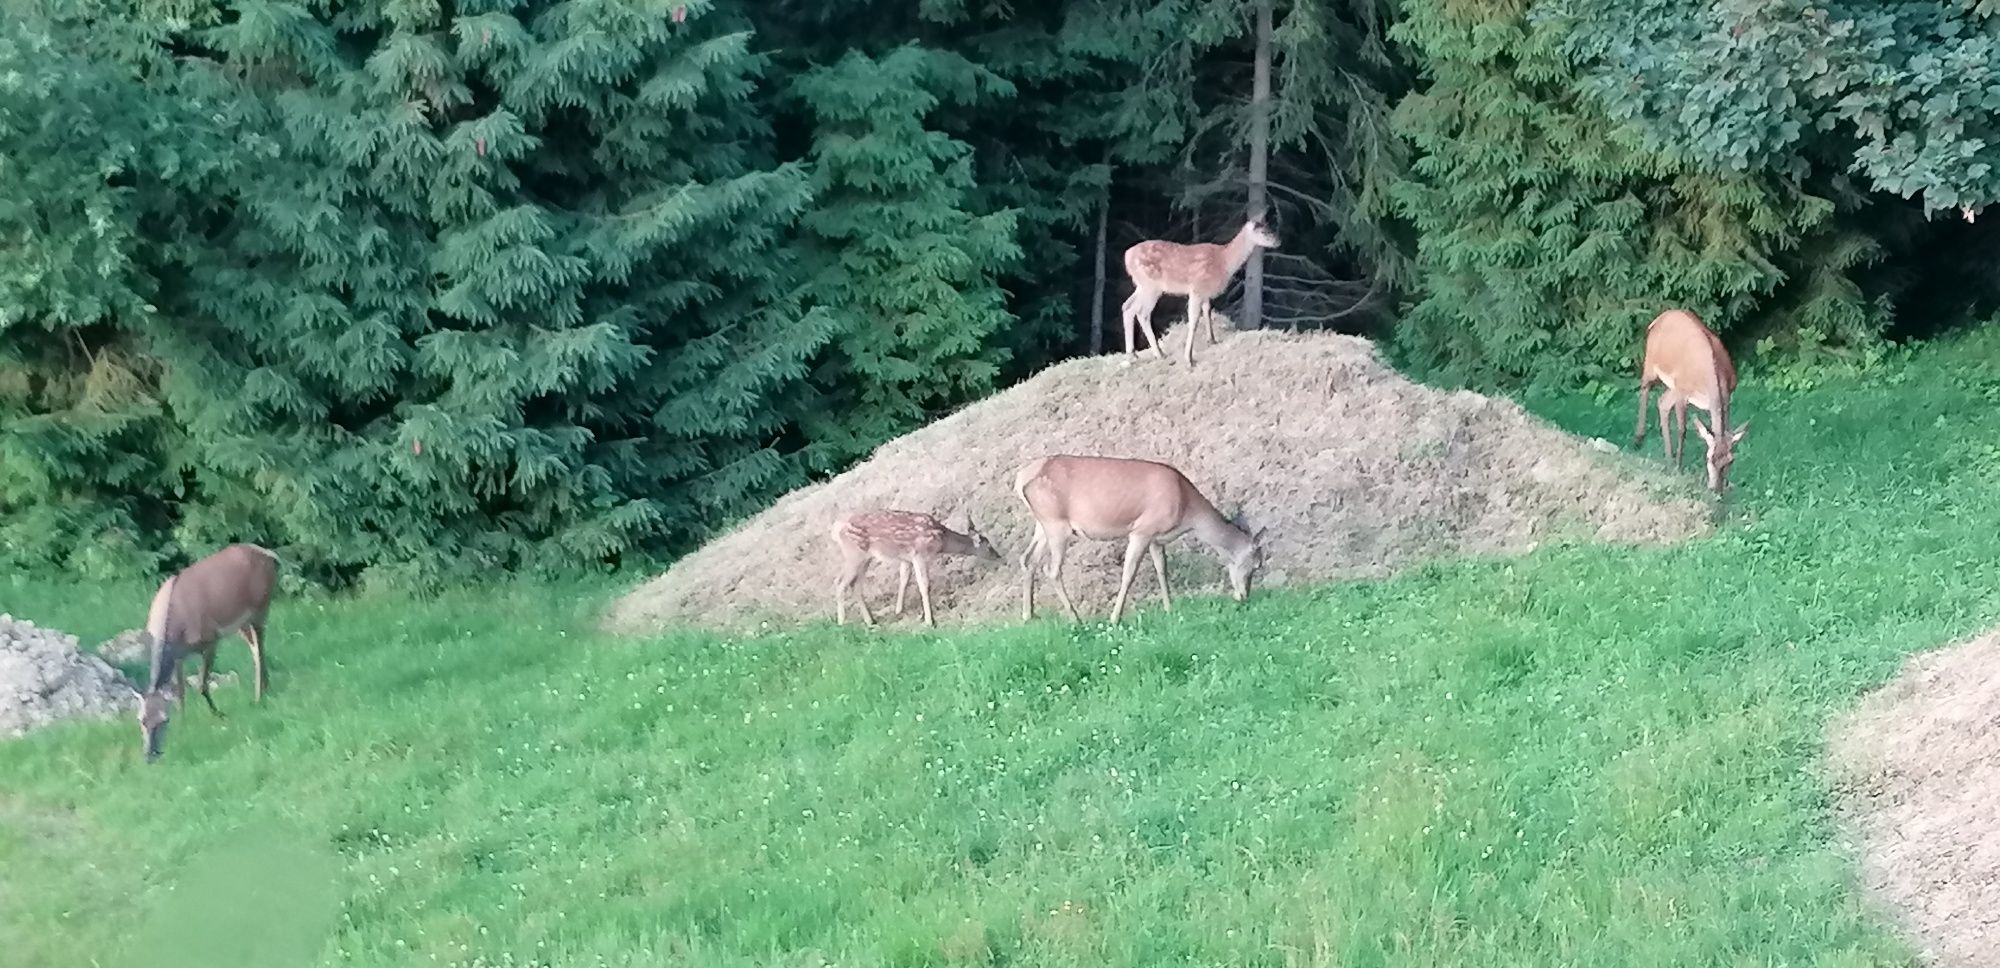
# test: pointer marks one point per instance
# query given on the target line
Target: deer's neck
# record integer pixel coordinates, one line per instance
(1720, 415)
(1217, 532)
(1237, 251)
(955, 543)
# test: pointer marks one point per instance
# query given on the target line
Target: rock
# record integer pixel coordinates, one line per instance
(131, 645)
(45, 678)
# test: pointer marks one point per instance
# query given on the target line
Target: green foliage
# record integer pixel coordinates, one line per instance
(1906, 95)
(902, 264)
(1374, 773)
(1178, 126)
(507, 288)
(1547, 235)
(419, 292)
(99, 165)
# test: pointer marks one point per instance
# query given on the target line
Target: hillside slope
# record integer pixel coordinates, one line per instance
(1348, 469)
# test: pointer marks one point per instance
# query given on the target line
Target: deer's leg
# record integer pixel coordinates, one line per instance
(1196, 305)
(1160, 569)
(254, 635)
(207, 667)
(1055, 540)
(1681, 435)
(1128, 316)
(1132, 546)
(1139, 312)
(850, 573)
(1639, 433)
(1208, 320)
(902, 583)
(1666, 423)
(924, 591)
(1145, 317)
(1028, 573)
(1135, 307)
(861, 602)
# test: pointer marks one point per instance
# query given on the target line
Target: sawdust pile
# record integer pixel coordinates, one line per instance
(44, 678)
(1347, 469)
(1917, 767)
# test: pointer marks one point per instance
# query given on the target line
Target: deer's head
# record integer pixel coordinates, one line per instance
(152, 721)
(981, 547)
(1243, 558)
(1261, 233)
(1721, 452)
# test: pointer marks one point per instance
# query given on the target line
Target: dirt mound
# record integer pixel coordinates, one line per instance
(1347, 468)
(1917, 767)
(44, 678)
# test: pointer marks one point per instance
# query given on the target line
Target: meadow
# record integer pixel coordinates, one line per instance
(1590, 756)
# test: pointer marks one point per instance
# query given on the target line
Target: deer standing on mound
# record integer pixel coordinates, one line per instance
(1199, 271)
(1685, 356)
(911, 539)
(1106, 498)
(228, 591)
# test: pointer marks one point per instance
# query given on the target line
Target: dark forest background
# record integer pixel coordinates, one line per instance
(416, 290)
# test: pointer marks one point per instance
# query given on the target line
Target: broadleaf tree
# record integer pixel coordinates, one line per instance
(1548, 234)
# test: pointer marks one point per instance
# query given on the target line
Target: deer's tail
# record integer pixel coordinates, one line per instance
(1027, 475)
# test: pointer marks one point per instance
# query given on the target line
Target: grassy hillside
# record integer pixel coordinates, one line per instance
(1589, 757)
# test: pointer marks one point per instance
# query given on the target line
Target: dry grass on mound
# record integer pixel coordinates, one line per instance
(1348, 469)
(1918, 767)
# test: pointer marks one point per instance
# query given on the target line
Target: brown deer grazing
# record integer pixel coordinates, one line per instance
(911, 539)
(1199, 271)
(228, 591)
(1685, 356)
(1106, 498)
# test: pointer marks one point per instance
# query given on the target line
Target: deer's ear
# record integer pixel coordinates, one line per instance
(1702, 430)
(1741, 429)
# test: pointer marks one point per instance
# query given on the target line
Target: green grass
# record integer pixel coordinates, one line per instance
(1587, 757)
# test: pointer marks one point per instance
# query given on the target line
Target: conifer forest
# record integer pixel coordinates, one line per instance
(420, 290)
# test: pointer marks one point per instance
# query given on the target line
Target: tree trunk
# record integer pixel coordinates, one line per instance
(1260, 148)
(1097, 292)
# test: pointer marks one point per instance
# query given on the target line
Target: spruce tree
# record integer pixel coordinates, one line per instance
(511, 292)
(908, 272)
(1028, 155)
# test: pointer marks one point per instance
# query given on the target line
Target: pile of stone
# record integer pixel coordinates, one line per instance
(45, 678)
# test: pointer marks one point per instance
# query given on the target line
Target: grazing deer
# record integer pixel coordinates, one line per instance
(911, 539)
(228, 591)
(1106, 498)
(1199, 271)
(1685, 356)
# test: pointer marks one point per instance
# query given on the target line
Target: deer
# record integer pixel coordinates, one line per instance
(913, 540)
(1106, 498)
(1199, 271)
(228, 591)
(1686, 357)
